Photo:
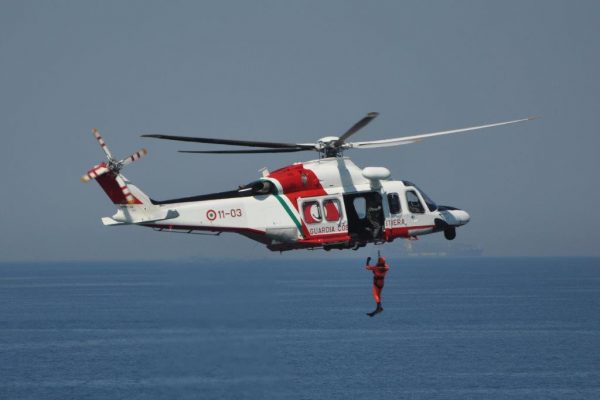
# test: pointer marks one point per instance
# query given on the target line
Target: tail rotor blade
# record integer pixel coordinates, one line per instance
(135, 156)
(95, 172)
(102, 144)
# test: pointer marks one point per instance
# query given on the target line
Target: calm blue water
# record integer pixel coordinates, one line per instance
(452, 328)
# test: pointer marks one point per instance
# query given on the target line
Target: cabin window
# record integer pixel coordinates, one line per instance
(332, 210)
(360, 206)
(311, 212)
(394, 202)
(414, 204)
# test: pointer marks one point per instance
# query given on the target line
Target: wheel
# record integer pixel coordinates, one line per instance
(450, 233)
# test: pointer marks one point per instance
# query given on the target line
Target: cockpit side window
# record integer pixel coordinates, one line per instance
(394, 203)
(414, 204)
(430, 203)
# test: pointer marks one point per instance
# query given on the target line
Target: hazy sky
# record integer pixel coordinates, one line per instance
(295, 72)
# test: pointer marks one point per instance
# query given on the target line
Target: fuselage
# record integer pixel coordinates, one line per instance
(327, 203)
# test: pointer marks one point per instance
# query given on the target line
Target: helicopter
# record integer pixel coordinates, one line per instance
(326, 203)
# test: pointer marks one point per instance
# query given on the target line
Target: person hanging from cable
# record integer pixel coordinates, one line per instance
(379, 270)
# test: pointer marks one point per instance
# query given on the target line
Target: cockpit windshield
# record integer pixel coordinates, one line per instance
(430, 203)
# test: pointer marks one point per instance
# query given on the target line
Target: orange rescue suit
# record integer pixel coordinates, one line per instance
(379, 270)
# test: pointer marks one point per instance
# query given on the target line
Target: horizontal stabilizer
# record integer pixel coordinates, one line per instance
(107, 221)
(145, 218)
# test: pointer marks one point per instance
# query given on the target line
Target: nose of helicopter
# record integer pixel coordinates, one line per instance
(454, 216)
(462, 217)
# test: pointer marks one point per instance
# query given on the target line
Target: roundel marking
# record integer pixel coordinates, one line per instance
(211, 215)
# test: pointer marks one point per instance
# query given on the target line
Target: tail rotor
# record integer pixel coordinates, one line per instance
(114, 167)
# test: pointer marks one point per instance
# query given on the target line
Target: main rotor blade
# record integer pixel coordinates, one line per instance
(244, 151)
(356, 127)
(416, 138)
(247, 143)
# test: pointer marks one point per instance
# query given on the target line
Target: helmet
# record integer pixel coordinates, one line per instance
(381, 260)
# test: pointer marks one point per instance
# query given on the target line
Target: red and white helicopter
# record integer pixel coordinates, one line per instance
(327, 203)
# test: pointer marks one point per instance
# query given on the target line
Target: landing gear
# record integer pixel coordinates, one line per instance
(358, 245)
(450, 233)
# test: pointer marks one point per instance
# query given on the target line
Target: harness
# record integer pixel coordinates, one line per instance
(379, 279)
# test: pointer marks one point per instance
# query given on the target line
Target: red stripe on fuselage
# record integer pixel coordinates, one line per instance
(324, 239)
(404, 232)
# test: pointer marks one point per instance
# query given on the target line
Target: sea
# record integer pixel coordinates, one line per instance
(452, 328)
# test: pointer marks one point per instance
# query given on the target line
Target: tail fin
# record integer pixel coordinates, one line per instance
(120, 190)
(137, 193)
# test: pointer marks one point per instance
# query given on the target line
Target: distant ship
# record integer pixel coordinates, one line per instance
(442, 250)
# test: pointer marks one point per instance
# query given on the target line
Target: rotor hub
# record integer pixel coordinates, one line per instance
(114, 166)
(327, 146)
